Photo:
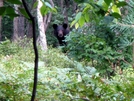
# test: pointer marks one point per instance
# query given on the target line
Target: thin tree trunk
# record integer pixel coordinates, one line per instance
(1, 4)
(29, 30)
(35, 51)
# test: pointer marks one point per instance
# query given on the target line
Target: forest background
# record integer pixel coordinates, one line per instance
(96, 65)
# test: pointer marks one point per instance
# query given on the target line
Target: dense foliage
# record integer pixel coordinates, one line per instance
(100, 48)
(96, 63)
(59, 78)
(7, 28)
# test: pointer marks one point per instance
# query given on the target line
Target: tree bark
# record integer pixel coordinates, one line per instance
(74, 6)
(15, 29)
(29, 30)
(65, 13)
(21, 25)
(1, 4)
(43, 23)
(18, 31)
(61, 5)
(42, 36)
(18, 24)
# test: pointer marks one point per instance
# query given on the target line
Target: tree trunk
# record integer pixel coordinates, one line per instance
(1, 4)
(18, 31)
(15, 29)
(61, 5)
(65, 13)
(21, 24)
(74, 6)
(43, 23)
(42, 36)
(29, 30)
(18, 24)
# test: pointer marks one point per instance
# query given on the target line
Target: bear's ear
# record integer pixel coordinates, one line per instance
(65, 25)
(55, 26)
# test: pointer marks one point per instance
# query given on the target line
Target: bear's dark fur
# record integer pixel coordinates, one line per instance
(60, 31)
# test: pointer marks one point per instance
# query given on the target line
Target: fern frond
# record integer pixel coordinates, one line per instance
(126, 25)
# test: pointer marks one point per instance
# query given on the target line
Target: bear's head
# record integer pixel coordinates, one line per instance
(60, 30)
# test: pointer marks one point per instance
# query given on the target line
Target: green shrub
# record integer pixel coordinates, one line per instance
(6, 48)
(15, 80)
(98, 50)
(59, 78)
(55, 57)
(91, 49)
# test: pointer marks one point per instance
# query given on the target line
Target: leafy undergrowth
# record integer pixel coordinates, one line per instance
(59, 78)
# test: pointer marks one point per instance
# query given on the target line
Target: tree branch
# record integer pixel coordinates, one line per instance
(47, 18)
(35, 51)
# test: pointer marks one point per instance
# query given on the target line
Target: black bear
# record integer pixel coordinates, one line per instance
(60, 31)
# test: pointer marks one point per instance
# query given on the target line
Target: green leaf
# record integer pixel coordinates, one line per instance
(76, 25)
(43, 10)
(35, 4)
(73, 23)
(48, 5)
(80, 67)
(54, 10)
(86, 17)
(10, 12)
(87, 8)
(81, 21)
(91, 70)
(116, 9)
(23, 12)
(105, 6)
(2, 10)
(97, 91)
(14, 1)
(78, 16)
(13, 15)
(80, 1)
(121, 4)
(108, 2)
(100, 2)
(116, 15)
